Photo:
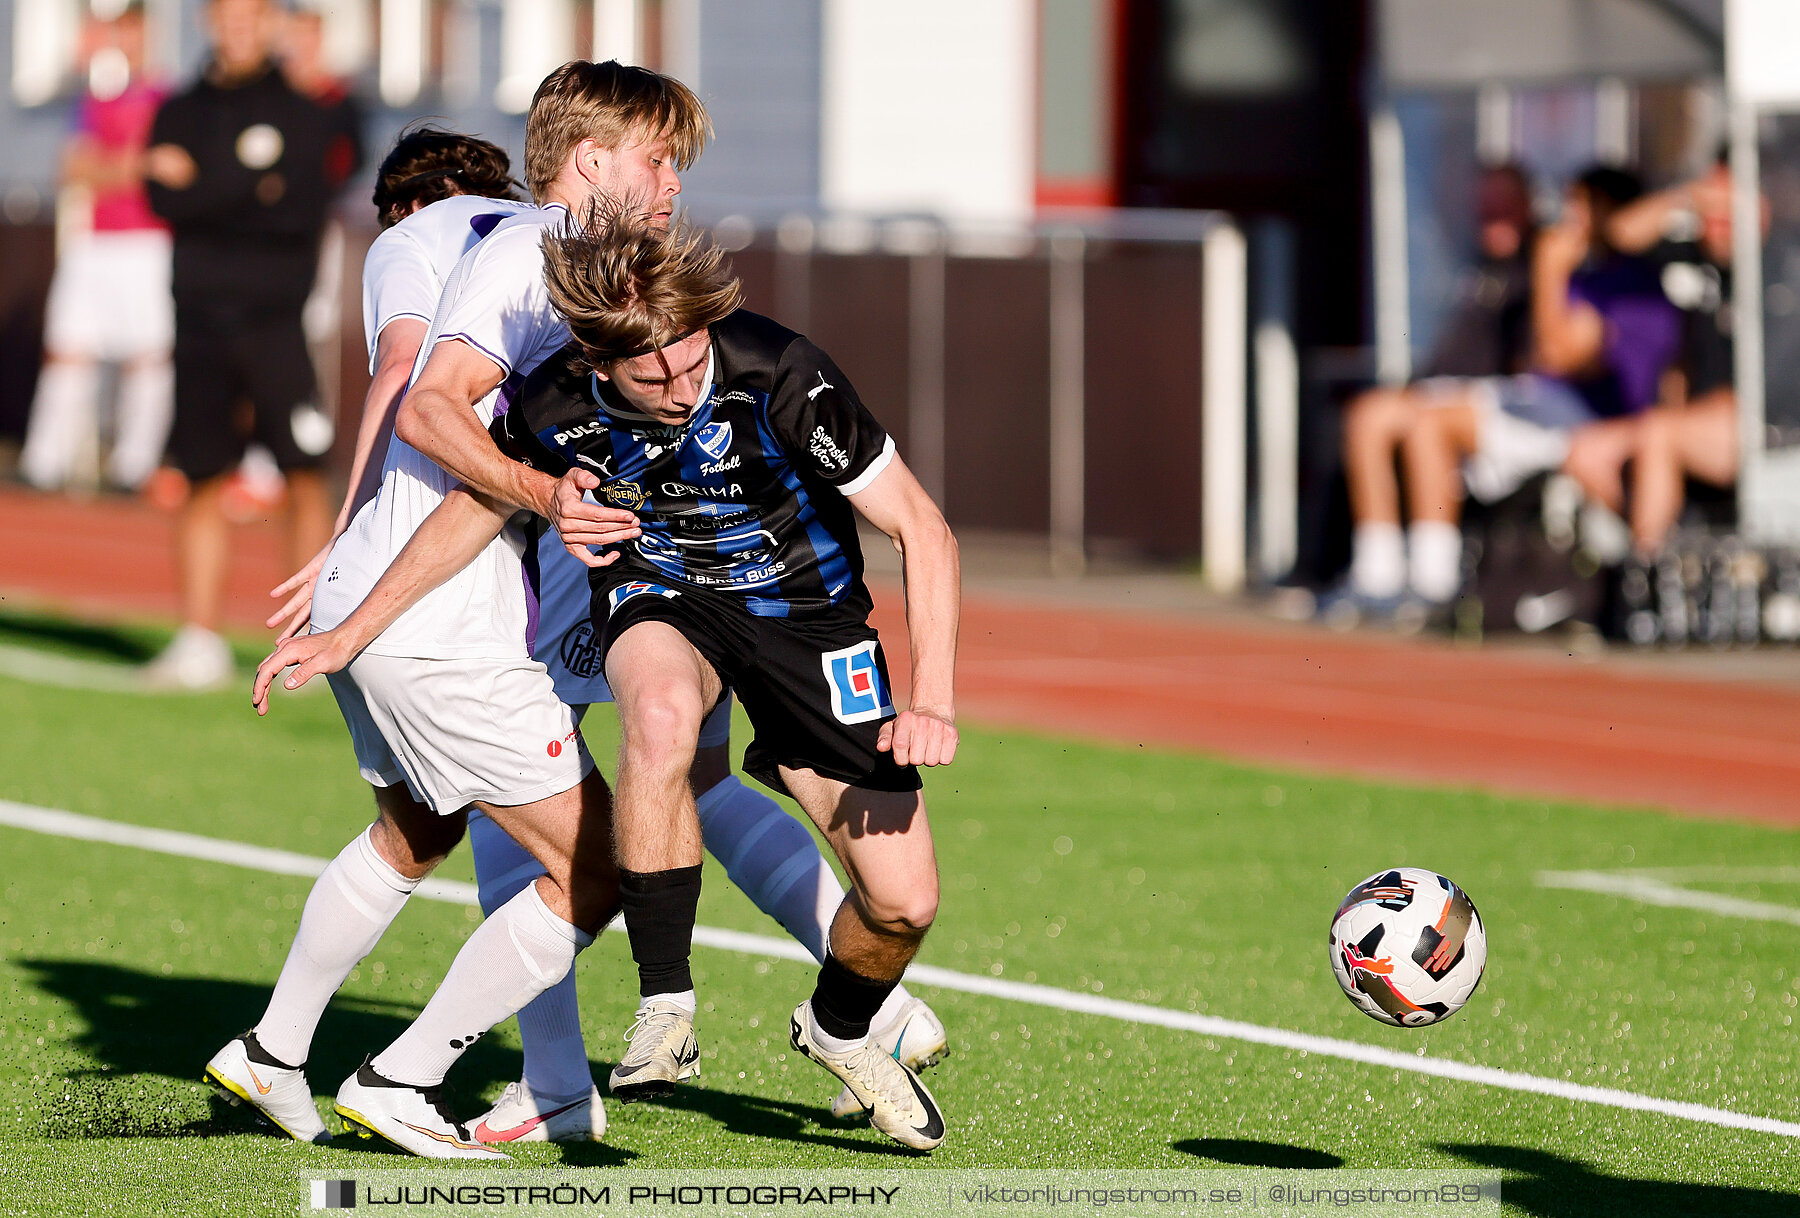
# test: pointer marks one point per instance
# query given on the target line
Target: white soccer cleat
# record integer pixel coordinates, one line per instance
(415, 1119)
(897, 1102)
(663, 1052)
(914, 1037)
(195, 659)
(245, 1074)
(520, 1116)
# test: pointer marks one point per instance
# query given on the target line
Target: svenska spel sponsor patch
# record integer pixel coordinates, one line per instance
(858, 693)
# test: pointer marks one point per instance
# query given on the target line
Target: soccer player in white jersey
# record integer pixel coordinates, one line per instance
(434, 736)
(450, 706)
(495, 322)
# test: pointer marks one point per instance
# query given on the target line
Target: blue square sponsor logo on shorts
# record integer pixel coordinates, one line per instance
(858, 694)
(637, 587)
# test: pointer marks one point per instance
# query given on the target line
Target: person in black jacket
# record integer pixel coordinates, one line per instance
(244, 169)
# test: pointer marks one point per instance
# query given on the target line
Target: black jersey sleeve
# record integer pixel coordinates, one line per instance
(821, 423)
(512, 432)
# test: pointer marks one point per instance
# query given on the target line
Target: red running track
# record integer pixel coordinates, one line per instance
(1357, 704)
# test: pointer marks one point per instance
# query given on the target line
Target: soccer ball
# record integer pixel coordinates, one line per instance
(1408, 947)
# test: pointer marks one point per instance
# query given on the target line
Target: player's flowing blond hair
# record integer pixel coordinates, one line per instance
(612, 104)
(628, 288)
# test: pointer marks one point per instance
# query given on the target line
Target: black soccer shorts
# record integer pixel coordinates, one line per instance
(816, 688)
(240, 378)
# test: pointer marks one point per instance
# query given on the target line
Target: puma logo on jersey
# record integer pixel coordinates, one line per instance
(821, 387)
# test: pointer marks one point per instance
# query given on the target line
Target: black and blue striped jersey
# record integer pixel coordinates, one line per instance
(748, 497)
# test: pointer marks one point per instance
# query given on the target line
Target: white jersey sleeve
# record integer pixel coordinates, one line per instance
(496, 302)
(404, 273)
(398, 281)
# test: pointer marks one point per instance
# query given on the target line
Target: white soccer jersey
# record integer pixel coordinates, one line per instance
(493, 299)
(404, 273)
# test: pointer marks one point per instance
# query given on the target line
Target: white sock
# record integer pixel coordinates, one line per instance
(681, 998)
(556, 1061)
(1378, 559)
(1434, 559)
(776, 863)
(146, 406)
(62, 430)
(352, 902)
(521, 950)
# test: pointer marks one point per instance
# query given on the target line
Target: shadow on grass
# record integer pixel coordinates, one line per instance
(1245, 1153)
(766, 1118)
(87, 640)
(150, 1037)
(1550, 1186)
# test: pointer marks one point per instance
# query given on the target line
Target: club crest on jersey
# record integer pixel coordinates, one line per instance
(637, 587)
(714, 439)
(858, 693)
(623, 494)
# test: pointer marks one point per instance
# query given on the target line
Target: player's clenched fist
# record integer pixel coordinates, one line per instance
(308, 655)
(919, 737)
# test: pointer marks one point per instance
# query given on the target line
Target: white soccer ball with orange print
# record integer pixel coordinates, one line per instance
(1408, 947)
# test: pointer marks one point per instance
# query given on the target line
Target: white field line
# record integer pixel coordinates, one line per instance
(1727, 874)
(282, 862)
(1637, 886)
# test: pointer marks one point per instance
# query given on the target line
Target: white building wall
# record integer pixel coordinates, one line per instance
(928, 106)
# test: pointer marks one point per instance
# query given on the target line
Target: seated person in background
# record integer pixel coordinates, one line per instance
(1602, 334)
(1692, 431)
(1488, 332)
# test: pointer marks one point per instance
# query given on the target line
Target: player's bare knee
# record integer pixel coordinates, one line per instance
(661, 730)
(904, 912)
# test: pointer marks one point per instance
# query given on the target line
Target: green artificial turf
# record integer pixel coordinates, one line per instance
(1178, 881)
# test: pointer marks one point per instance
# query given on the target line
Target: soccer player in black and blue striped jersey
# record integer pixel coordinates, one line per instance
(745, 455)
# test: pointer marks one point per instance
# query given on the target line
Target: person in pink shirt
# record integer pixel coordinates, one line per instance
(109, 299)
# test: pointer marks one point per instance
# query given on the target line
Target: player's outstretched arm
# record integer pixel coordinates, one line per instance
(895, 503)
(395, 351)
(448, 540)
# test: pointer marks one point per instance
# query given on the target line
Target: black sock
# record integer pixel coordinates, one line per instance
(844, 1003)
(255, 1052)
(660, 908)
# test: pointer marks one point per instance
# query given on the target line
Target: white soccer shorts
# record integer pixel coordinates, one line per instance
(109, 298)
(461, 730)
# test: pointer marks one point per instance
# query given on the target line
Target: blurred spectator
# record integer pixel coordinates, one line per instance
(1692, 431)
(109, 299)
(1489, 333)
(244, 167)
(303, 63)
(1602, 336)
